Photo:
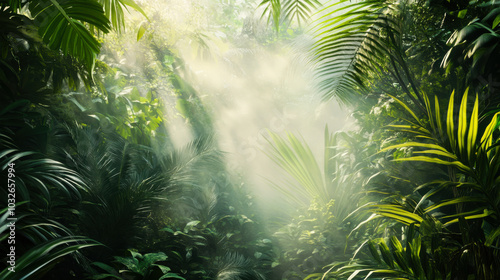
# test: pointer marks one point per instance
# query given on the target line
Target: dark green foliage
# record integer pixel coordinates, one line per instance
(95, 166)
(475, 47)
(138, 267)
(433, 201)
(45, 190)
(311, 240)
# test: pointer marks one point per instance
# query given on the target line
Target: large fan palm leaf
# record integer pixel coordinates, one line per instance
(307, 179)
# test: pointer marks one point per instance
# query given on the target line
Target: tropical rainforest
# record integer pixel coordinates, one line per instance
(238, 140)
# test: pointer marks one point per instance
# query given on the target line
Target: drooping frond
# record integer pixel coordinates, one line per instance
(278, 11)
(114, 11)
(353, 40)
(62, 27)
(45, 254)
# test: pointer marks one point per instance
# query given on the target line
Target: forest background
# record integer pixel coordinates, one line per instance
(131, 133)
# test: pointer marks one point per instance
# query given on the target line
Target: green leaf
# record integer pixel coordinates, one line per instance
(438, 117)
(457, 164)
(450, 122)
(473, 126)
(487, 138)
(349, 47)
(386, 253)
(492, 236)
(407, 109)
(495, 22)
(62, 27)
(417, 144)
(44, 254)
(374, 251)
(142, 30)
(297, 159)
(134, 6)
(485, 213)
(462, 13)
(462, 124)
(454, 201)
(171, 276)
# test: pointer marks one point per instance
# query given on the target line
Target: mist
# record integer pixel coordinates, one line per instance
(274, 94)
(247, 85)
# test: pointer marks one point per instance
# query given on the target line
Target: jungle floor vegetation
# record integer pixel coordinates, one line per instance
(112, 165)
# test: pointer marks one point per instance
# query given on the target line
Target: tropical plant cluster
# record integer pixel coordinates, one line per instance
(420, 80)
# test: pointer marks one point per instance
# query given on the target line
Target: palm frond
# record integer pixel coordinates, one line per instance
(44, 254)
(461, 149)
(236, 266)
(405, 258)
(278, 11)
(353, 39)
(36, 177)
(114, 11)
(62, 27)
(297, 159)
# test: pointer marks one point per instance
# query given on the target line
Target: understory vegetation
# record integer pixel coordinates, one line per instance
(113, 165)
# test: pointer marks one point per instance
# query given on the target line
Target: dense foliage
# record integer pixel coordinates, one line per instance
(100, 187)
(101, 190)
(421, 80)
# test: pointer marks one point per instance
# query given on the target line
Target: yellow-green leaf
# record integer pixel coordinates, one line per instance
(437, 161)
(462, 123)
(438, 116)
(450, 122)
(471, 139)
(406, 108)
(142, 30)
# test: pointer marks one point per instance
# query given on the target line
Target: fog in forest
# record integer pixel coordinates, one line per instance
(204, 140)
(248, 88)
